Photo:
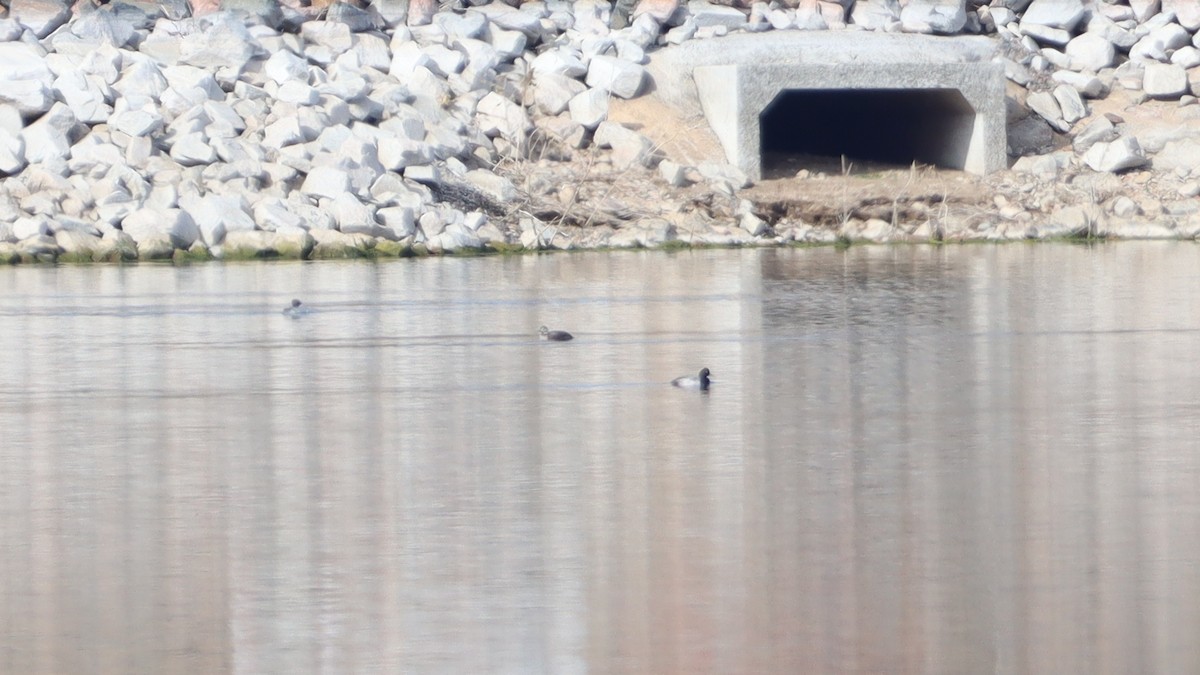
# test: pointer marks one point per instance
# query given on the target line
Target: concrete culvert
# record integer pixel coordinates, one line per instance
(801, 128)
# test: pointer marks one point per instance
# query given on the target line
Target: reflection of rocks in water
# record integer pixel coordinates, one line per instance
(876, 287)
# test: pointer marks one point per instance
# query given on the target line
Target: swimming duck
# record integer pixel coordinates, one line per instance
(700, 381)
(555, 335)
(296, 309)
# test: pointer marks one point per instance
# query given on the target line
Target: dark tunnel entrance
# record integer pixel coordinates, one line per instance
(814, 128)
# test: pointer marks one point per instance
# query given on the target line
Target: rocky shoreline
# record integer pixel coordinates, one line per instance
(250, 129)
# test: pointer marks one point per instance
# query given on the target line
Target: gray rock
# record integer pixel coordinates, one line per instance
(621, 78)
(1178, 154)
(1165, 81)
(174, 224)
(589, 108)
(1123, 153)
(333, 35)
(942, 17)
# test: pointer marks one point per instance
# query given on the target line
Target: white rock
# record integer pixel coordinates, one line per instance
(1144, 9)
(12, 153)
(1186, 57)
(1062, 14)
(1070, 102)
(444, 61)
(352, 216)
(1165, 80)
(497, 187)
(1187, 12)
(399, 220)
(49, 138)
(84, 96)
(225, 44)
(27, 227)
(552, 93)
(629, 147)
(527, 20)
(141, 78)
(1088, 86)
(1159, 43)
(620, 77)
(508, 44)
(136, 122)
(875, 14)
(284, 66)
(943, 17)
(193, 149)
(707, 14)
(397, 153)
(326, 181)
(1100, 130)
(297, 93)
(333, 35)
(560, 61)
(407, 57)
(175, 224)
(272, 214)
(1090, 52)
(1044, 104)
(1123, 153)
(1045, 34)
(31, 97)
(674, 174)
(214, 215)
(589, 108)
(467, 25)
(498, 115)
(284, 132)
(41, 18)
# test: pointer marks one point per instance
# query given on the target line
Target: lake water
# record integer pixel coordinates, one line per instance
(966, 459)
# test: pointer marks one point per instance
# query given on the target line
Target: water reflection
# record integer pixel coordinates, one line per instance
(959, 459)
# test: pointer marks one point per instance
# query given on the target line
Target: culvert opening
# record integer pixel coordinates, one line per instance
(872, 128)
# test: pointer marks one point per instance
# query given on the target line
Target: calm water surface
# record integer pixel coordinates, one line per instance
(968, 459)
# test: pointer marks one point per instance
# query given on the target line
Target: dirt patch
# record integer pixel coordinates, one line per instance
(687, 140)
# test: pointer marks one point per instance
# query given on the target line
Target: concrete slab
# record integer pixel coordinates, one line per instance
(952, 114)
